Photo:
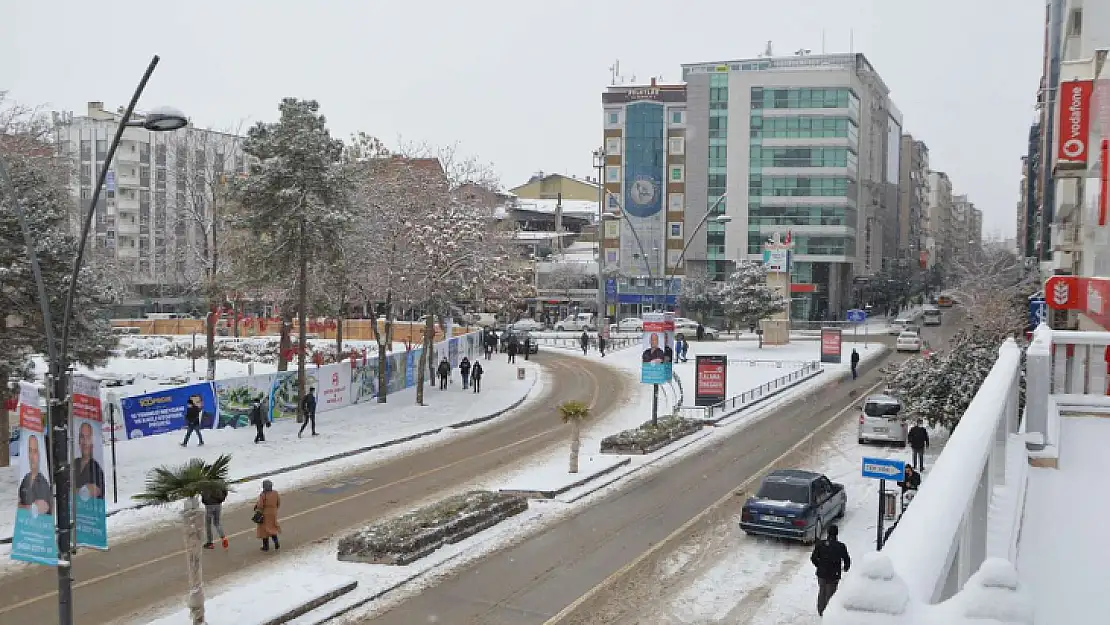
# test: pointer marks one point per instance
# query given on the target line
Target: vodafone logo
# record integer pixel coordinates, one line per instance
(1073, 148)
(1075, 123)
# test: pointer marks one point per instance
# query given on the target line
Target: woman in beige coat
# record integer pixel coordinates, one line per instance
(268, 503)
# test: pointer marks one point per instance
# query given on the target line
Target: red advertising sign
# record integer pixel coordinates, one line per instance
(1074, 129)
(1103, 181)
(830, 345)
(1062, 292)
(1090, 296)
(711, 380)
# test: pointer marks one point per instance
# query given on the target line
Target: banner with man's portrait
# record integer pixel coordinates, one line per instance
(658, 348)
(33, 539)
(88, 463)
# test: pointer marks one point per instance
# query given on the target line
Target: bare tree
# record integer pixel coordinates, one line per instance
(460, 169)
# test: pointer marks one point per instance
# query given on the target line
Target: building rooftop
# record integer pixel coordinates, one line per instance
(854, 61)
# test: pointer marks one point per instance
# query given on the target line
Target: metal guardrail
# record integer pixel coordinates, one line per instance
(611, 345)
(719, 411)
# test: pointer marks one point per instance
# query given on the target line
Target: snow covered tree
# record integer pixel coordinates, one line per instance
(294, 199)
(745, 297)
(37, 182)
(460, 169)
(698, 297)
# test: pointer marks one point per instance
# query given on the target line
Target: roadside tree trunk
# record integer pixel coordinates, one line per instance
(384, 337)
(339, 337)
(192, 517)
(575, 444)
(302, 320)
(210, 341)
(285, 342)
(426, 360)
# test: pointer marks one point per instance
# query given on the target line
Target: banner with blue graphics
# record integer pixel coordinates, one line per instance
(88, 463)
(164, 411)
(658, 346)
(34, 538)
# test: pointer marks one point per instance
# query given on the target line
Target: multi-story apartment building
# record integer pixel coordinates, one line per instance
(645, 180)
(156, 214)
(939, 211)
(805, 144)
(913, 199)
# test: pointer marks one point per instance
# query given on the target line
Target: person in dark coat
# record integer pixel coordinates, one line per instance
(308, 411)
(476, 377)
(511, 350)
(918, 438)
(585, 341)
(213, 500)
(527, 346)
(464, 371)
(443, 370)
(830, 557)
(601, 345)
(701, 332)
(855, 362)
(192, 422)
(912, 480)
(258, 420)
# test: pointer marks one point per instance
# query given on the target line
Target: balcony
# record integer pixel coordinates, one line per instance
(125, 228)
(1065, 237)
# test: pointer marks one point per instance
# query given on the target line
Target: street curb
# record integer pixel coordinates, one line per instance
(551, 494)
(353, 452)
(312, 604)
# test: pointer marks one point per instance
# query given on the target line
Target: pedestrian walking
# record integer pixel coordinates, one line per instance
(830, 557)
(266, 516)
(918, 438)
(476, 377)
(464, 371)
(511, 350)
(601, 344)
(855, 362)
(527, 346)
(585, 341)
(258, 420)
(192, 422)
(308, 412)
(685, 349)
(700, 332)
(443, 370)
(213, 500)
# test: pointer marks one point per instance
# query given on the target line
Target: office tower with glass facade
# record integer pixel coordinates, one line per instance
(802, 144)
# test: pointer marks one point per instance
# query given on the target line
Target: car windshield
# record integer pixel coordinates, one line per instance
(881, 409)
(784, 491)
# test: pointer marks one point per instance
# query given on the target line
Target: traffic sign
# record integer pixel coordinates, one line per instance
(884, 469)
(1038, 312)
(857, 316)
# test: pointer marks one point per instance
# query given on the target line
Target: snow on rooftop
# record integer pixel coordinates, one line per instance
(570, 207)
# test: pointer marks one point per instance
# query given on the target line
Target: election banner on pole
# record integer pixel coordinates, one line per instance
(88, 463)
(658, 346)
(33, 539)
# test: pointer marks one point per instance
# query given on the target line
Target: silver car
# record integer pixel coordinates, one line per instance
(880, 420)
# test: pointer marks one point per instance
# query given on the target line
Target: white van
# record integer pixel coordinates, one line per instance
(900, 325)
(881, 420)
(577, 323)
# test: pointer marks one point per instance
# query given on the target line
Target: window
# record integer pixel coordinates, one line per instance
(611, 256)
(673, 256)
(86, 150)
(612, 145)
(677, 173)
(678, 117)
(612, 173)
(675, 230)
(612, 229)
(676, 202)
(676, 146)
(612, 118)
(1075, 23)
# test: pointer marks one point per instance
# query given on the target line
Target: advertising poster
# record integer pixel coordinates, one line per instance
(164, 411)
(658, 348)
(333, 389)
(711, 380)
(395, 372)
(453, 352)
(364, 381)
(830, 345)
(236, 396)
(33, 539)
(284, 396)
(411, 358)
(88, 463)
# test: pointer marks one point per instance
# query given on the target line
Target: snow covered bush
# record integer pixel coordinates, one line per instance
(648, 438)
(745, 297)
(411, 536)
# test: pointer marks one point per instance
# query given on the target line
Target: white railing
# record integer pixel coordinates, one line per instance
(924, 574)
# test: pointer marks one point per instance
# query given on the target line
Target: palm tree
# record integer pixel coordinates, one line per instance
(165, 485)
(574, 413)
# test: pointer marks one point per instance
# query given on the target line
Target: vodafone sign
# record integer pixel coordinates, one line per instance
(1073, 133)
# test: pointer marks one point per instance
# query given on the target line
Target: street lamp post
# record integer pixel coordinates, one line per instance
(158, 120)
(599, 165)
(721, 219)
(635, 235)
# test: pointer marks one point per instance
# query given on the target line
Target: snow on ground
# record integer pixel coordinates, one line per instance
(1063, 555)
(340, 430)
(730, 577)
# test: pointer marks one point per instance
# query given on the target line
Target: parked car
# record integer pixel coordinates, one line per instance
(527, 325)
(689, 328)
(881, 420)
(630, 324)
(577, 323)
(908, 342)
(484, 320)
(794, 504)
(945, 301)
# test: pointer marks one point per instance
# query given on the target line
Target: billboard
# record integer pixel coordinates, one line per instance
(830, 345)
(34, 538)
(711, 380)
(88, 463)
(658, 348)
(1074, 126)
(164, 411)
(235, 397)
(776, 261)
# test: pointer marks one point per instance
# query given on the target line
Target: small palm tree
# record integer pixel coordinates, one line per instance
(165, 485)
(574, 413)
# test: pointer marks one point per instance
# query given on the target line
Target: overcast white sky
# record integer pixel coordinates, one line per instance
(518, 83)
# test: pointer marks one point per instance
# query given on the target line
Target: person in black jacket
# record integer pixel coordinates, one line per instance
(584, 340)
(918, 438)
(464, 371)
(213, 500)
(258, 420)
(855, 362)
(912, 480)
(830, 557)
(308, 411)
(511, 349)
(476, 377)
(443, 371)
(192, 422)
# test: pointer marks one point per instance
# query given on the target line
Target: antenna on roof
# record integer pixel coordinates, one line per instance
(615, 71)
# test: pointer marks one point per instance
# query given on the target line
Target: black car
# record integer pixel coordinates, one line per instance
(520, 337)
(794, 504)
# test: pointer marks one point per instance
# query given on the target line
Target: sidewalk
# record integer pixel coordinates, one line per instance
(342, 433)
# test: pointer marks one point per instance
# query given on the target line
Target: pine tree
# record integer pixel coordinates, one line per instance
(294, 200)
(745, 296)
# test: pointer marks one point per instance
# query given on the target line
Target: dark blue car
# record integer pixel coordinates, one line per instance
(794, 504)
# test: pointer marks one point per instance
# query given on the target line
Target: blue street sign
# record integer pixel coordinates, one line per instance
(857, 316)
(884, 469)
(1038, 312)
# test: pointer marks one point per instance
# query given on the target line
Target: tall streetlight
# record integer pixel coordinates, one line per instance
(721, 219)
(599, 165)
(162, 119)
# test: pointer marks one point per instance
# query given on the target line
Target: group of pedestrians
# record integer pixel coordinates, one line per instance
(265, 516)
(584, 343)
(471, 373)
